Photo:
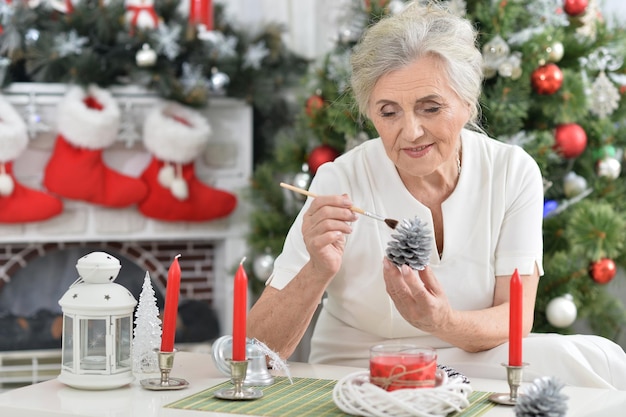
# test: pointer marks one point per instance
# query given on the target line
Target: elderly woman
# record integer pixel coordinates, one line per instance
(417, 76)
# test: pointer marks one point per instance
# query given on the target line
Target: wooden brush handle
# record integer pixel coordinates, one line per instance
(313, 195)
(297, 190)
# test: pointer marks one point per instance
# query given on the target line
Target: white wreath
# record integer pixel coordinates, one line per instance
(354, 394)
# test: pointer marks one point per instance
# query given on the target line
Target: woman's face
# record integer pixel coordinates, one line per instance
(419, 118)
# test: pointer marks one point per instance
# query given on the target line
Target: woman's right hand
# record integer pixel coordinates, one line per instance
(324, 229)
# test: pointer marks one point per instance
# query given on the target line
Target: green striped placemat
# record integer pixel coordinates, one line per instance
(306, 397)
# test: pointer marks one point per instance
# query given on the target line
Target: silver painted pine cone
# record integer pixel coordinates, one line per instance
(411, 245)
(542, 399)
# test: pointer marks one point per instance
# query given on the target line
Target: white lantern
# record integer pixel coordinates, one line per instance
(97, 326)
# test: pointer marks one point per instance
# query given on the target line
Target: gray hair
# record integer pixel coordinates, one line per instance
(398, 40)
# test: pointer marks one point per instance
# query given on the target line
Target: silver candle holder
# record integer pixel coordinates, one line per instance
(238, 371)
(257, 373)
(166, 362)
(514, 379)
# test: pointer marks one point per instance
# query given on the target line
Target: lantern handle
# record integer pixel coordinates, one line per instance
(79, 280)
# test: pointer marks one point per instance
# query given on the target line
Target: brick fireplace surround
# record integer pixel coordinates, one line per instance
(40, 326)
(152, 256)
(209, 251)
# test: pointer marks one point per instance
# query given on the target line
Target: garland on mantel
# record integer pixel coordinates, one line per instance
(98, 42)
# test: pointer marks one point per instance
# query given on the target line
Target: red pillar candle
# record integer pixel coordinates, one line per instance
(515, 320)
(240, 307)
(171, 306)
(201, 12)
(206, 14)
(194, 11)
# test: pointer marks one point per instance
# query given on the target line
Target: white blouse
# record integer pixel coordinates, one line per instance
(492, 225)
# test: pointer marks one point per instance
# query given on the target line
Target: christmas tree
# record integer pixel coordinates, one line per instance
(554, 84)
(147, 331)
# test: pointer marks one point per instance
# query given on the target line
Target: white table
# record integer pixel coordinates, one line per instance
(54, 399)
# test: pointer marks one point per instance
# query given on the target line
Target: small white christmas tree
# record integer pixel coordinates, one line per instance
(147, 333)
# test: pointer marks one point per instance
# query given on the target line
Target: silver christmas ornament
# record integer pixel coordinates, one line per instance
(516, 73)
(609, 167)
(498, 59)
(495, 52)
(555, 52)
(263, 266)
(512, 66)
(219, 81)
(31, 36)
(347, 36)
(573, 184)
(411, 245)
(146, 56)
(505, 69)
(292, 203)
(604, 97)
(561, 311)
(302, 180)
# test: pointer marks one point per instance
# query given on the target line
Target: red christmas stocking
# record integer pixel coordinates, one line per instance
(176, 136)
(24, 204)
(88, 123)
(19, 204)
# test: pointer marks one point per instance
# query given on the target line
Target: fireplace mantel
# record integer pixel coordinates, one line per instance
(226, 164)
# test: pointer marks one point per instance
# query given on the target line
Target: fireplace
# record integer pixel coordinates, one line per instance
(37, 260)
(30, 317)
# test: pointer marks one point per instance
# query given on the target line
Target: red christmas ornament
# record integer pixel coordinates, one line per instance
(575, 7)
(321, 155)
(313, 104)
(570, 140)
(603, 270)
(547, 79)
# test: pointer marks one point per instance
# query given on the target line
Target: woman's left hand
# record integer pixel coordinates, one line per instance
(418, 296)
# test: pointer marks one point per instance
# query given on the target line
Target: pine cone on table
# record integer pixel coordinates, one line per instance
(542, 399)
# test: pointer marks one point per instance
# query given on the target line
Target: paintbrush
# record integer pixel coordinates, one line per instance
(389, 222)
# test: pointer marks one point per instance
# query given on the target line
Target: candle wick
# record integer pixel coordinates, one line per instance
(177, 256)
(242, 260)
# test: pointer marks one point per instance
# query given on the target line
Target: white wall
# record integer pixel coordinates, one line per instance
(614, 10)
(313, 24)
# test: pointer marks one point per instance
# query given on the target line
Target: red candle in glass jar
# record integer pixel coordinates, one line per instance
(398, 366)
